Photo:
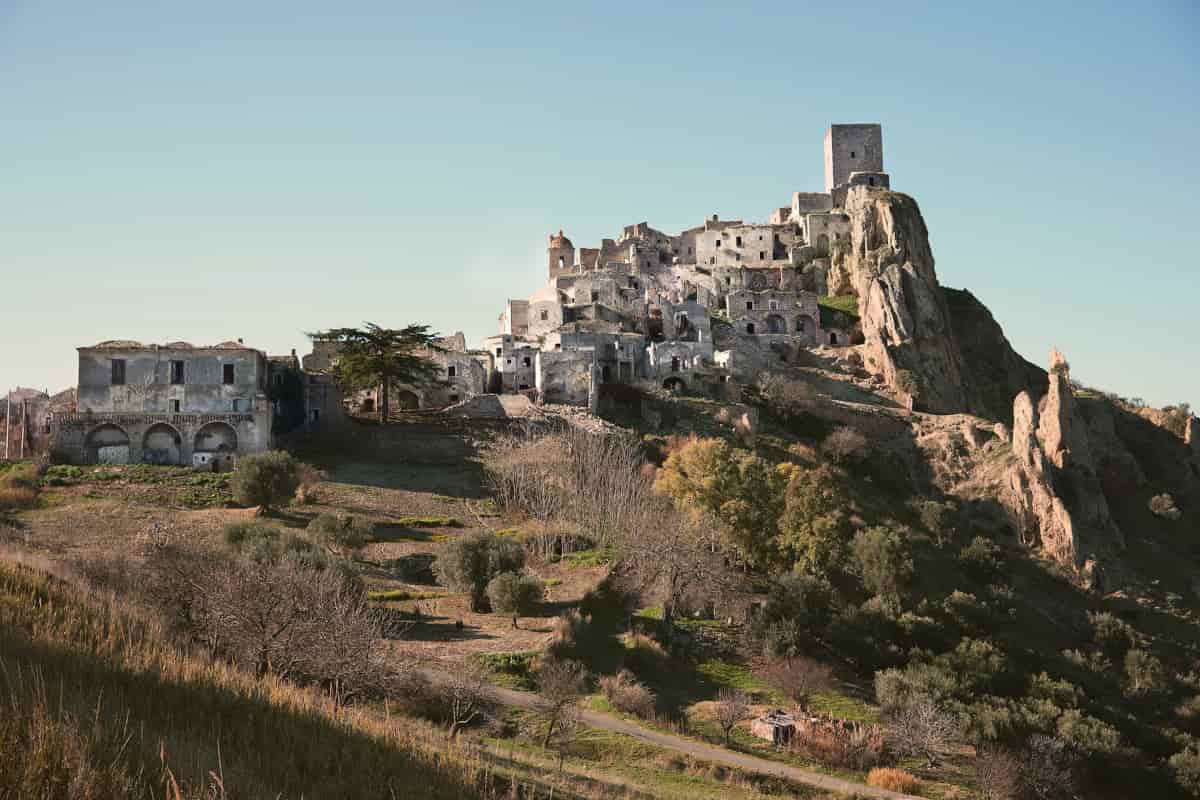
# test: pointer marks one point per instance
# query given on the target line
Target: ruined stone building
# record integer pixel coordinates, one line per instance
(167, 404)
(683, 312)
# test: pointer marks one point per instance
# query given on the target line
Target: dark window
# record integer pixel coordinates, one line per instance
(523, 386)
(799, 326)
(526, 361)
(749, 327)
(316, 414)
(451, 371)
(852, 154)
(118, 372)
(227, 374)
(675, 364)
(871, 181)
(545, 315)
(176, 372)
(174, 406)
(737, 242)
(499, 351)
(718, 242)
(453, 398)
(749, 305)
(237, 404)
(595, 296)
(689, 251)
(728, 281)
(762, 255)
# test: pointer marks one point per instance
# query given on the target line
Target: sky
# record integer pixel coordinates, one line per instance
(208, 171)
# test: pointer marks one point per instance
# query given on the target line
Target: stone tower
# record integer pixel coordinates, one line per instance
(560, 254)
(851, 148)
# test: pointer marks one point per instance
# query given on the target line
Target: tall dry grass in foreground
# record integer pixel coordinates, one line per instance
(97, 701)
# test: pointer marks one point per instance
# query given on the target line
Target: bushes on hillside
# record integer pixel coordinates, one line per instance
(882, 561)
(265, 480)
(509, 593)
(981, 558)
(896, 780)
(627, 695)
(469, 564)
(341, 535)
(18, 487)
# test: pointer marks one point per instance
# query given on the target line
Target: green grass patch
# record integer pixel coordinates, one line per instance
(839, 311)
(513, 670)
(400, 595)
(724, 674)
(593, 557)
(429, 522)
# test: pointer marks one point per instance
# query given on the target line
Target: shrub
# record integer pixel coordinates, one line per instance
(1113, 635)
(938, 519)
(1186, 766)
(265, 479)
(832, 743)
(19, 487)
(799, 678)
(238, 534)
(309, 476)
(627, 695)
(1163, 505)
(896, 780)
(1176, 418)
(883, 564)
(1143, 672)
(981, 558)
(341, 535)
(906, 381)
(509, 593)
(468, 564)
(998, 773)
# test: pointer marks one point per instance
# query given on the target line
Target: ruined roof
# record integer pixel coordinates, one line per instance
(230, 346)
(559, 240)
(130, 344)
(117, 344)
(180, 345)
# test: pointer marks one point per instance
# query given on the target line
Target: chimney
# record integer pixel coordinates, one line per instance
(240, 340)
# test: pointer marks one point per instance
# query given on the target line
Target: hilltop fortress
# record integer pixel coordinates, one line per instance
(688, 311)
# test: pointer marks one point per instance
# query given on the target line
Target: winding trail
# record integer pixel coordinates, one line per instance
(708, 752)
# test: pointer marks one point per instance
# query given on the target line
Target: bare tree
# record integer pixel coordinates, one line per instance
(464, 696)
(608, 486)
(799, 677)
(732, 707)
(569, 725)
(923, 730)
(1048, 768)
(845, 444)
(560, 683)
(789, 396)
(666, 553)
(525, 472)
(998, 772)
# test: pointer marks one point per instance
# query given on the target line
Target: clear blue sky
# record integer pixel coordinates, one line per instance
(205, 171)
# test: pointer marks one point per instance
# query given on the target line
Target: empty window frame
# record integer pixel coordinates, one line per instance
(174, 406)
(118, 372)
(737, 242)
(451, 371)
(237, 404)
(177, 372)
(227, 374)
(749, 305)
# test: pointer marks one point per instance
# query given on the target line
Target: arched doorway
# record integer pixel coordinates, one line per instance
(407, 401)
(106, 444)
(161, 444)
(215, 447)
(775, 324)
(833, 338)
(675, 385)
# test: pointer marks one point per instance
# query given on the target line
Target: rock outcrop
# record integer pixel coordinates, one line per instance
(1053, 491)
(912, 338)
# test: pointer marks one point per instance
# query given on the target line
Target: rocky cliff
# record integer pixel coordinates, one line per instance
(1053, 490)
(943, 347)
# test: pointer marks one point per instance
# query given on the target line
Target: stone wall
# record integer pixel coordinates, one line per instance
(564, 376)
(133, 438)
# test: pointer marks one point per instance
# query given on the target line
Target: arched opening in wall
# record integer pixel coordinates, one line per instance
(749, 327)
(605, 373)
(675, 385)
(106, 444)
(776, 324)
(804, 324)
(161, 445)
(368, 405)
(674, 363)
(823, 245)
(216, 437)
(407, 401)
(833, 338)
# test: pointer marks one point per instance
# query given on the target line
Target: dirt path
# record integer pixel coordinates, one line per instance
(707, 752)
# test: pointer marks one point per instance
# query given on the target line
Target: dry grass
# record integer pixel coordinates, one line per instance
(897, 780)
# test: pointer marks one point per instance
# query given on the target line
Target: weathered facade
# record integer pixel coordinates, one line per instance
(167, 404)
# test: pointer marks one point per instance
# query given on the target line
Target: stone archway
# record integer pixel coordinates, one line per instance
(216, 437)
(407, 401)
(106, 444)
(675, 385)
(776, 324)
(833, 338)
(161, 445)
